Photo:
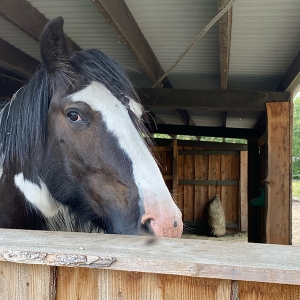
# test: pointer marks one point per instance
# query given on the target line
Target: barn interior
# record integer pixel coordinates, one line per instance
(205, 69)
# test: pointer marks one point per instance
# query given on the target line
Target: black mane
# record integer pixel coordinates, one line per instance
(23, 121)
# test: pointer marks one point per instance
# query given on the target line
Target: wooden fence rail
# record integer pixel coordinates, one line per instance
(56, 265)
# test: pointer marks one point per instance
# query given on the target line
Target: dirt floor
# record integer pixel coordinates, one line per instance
(241, 237)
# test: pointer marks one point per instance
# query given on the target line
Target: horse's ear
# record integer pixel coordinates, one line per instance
(54, 50)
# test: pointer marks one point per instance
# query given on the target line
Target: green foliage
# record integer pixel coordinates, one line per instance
(296, 139)
(296, 188)
(203, 138)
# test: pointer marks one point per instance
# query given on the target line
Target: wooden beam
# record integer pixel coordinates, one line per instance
(16, 60)
(243, 199)
(118, 15)
(27, 18)
(205, 131)
(209, 182)
(225, 23)
(83, 251)
(292, 77)
(213, 100)
(183, 115)
(278, 195)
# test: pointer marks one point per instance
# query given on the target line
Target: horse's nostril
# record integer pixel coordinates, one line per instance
(146, 227)
(175, 224)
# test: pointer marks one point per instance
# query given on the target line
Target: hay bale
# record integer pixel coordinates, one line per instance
(216, 217)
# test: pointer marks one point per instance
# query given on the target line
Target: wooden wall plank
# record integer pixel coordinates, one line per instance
(214, 173)
(235, 175)
(226, 192)
(110, 284)
(189, 190)
(189, 257)
(77, 283)
(201, 191)
(180, 189)
(175, 171)
(267, 291)
(278, 190)
(243, 197)
(22, 281)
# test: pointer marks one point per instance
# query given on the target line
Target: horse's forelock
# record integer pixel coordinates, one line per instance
(94, 65)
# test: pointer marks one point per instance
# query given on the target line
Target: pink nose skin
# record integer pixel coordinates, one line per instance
(165, 225)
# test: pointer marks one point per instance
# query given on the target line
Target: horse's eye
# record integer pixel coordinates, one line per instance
(74, 116)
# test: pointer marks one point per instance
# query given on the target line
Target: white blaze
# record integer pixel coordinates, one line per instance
(146, 173)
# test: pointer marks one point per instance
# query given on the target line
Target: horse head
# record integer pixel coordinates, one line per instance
(95, 162)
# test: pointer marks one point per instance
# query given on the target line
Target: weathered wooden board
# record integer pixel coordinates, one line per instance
(214, 173)
(278, 174)
(243, 196)
(201, 191)
(193, 258)
(189, 190)
(180, 188)
(110, 284)
(267, 291)
(25, 281)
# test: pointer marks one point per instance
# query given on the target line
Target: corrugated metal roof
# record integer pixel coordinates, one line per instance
(169, 27)
(19, 39)
(265, 40)
(86, 26)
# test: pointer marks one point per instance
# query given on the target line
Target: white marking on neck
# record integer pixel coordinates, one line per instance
(57, 216)
(39, 197)
(146, 173)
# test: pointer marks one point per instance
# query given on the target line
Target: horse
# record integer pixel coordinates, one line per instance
(73, 155)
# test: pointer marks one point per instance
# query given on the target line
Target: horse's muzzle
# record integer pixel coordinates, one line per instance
(163, 225)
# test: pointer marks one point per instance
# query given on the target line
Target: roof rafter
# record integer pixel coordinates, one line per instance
(229, 100)
(225, 24)
(292, 77)
(16, 60)
(27, 18)
(118, 15)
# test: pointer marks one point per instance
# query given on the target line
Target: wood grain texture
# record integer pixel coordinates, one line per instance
(189, 190)
(214, 173)
(201, 192)
(24, 281)
(229, 100)
(278, 174)
(110, 284)
(206, 259)
(180, 188)
(267, 291)
(243, 197)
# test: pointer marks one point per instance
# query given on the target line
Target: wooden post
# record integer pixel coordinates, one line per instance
(243, 203)
(278, 196)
